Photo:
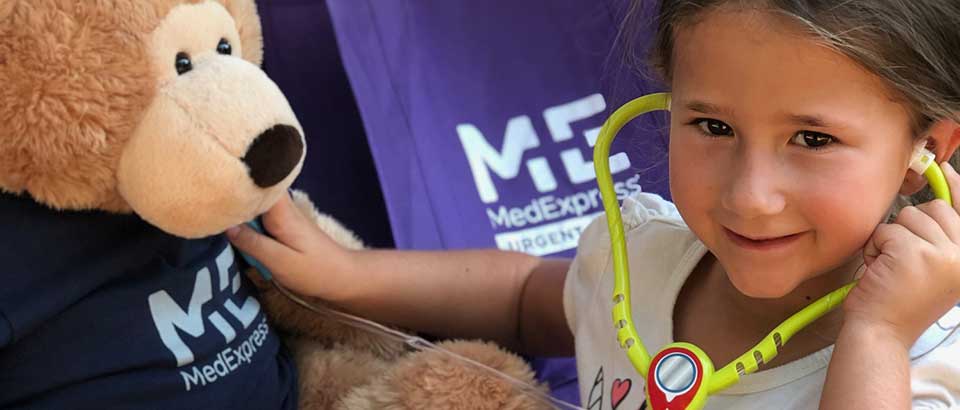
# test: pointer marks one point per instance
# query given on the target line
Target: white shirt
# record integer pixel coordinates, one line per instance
(662, 253)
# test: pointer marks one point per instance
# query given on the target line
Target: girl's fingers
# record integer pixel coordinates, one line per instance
(922, 225)
(273, 255)
(945, 217)
(288, 225)
(881, 240)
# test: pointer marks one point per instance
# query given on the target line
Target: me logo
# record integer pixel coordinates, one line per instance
(520, 137)
(169, 317)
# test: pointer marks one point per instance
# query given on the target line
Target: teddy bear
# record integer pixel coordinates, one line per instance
(133, 133)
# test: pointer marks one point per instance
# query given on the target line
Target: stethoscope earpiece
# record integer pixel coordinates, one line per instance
(924, 162)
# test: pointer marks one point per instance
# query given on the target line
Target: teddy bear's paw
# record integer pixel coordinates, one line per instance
(327, 374)
(434, 380)
(327, 224)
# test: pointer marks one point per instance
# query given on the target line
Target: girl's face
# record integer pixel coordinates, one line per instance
(784, 155)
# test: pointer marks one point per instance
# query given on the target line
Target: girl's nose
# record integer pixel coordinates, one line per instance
(753, 190)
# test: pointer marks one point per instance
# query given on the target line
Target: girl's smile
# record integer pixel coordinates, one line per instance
(763, 242)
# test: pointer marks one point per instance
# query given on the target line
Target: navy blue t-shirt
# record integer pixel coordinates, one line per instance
(105, 311)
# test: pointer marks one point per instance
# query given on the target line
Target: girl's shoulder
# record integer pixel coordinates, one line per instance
(644, 207)
(641, 214)
(654, 232)
(935, 364)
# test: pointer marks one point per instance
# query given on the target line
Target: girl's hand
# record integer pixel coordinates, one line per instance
(912, 274)
(300, 255)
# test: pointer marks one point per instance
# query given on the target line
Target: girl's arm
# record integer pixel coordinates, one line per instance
(870, 369)
(512, 298)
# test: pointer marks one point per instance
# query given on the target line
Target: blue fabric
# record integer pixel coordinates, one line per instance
(105, 311)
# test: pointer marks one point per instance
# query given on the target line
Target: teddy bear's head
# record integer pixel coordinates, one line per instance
(151, 106)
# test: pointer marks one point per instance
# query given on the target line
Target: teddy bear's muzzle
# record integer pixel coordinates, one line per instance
(273, 155)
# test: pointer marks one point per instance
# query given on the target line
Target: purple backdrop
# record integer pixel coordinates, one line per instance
(479, 116)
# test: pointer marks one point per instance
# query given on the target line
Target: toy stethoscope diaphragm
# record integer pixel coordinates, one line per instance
(681, 375)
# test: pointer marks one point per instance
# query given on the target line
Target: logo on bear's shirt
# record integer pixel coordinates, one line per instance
(172, 321)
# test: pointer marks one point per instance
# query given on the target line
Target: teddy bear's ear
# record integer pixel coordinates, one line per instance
(74, 83)
(248, 24)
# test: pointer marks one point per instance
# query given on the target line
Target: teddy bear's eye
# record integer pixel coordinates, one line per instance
(224, 47)
(183, 63)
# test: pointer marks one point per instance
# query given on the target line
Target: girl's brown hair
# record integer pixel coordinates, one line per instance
(913, 45)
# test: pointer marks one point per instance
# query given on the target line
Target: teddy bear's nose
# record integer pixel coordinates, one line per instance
(273, 155)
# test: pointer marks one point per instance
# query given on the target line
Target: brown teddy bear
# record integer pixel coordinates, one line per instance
(132, 134)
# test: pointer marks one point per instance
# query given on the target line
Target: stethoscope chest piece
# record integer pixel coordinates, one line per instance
(678, 378)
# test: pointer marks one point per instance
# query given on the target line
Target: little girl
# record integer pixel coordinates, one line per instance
(792, 126)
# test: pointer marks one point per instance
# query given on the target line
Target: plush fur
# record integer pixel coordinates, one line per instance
(94, 115)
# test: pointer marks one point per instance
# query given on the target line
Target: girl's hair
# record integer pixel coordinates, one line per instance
(913, 45)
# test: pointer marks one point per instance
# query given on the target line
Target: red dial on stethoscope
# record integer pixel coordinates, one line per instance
(674, 379)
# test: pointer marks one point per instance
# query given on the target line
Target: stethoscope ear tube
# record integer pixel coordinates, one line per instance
(622, 316)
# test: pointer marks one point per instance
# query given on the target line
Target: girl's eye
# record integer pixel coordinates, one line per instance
(714, 128)
(812, 140)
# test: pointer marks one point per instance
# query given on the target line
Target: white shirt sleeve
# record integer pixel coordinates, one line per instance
(935, 379)
(592, 252)
(569, 307)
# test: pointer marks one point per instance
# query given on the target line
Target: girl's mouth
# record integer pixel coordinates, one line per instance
(763, 243)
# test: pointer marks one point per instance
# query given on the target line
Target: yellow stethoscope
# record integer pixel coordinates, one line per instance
(681, 375)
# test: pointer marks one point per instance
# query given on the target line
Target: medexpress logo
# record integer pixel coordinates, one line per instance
(172, 320)
(562, 217)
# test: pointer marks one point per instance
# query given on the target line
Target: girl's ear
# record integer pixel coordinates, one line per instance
(945, 136)
(912, 183)
(943, 139)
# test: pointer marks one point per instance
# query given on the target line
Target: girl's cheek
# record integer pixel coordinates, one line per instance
(689, 164)
(845, 209)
